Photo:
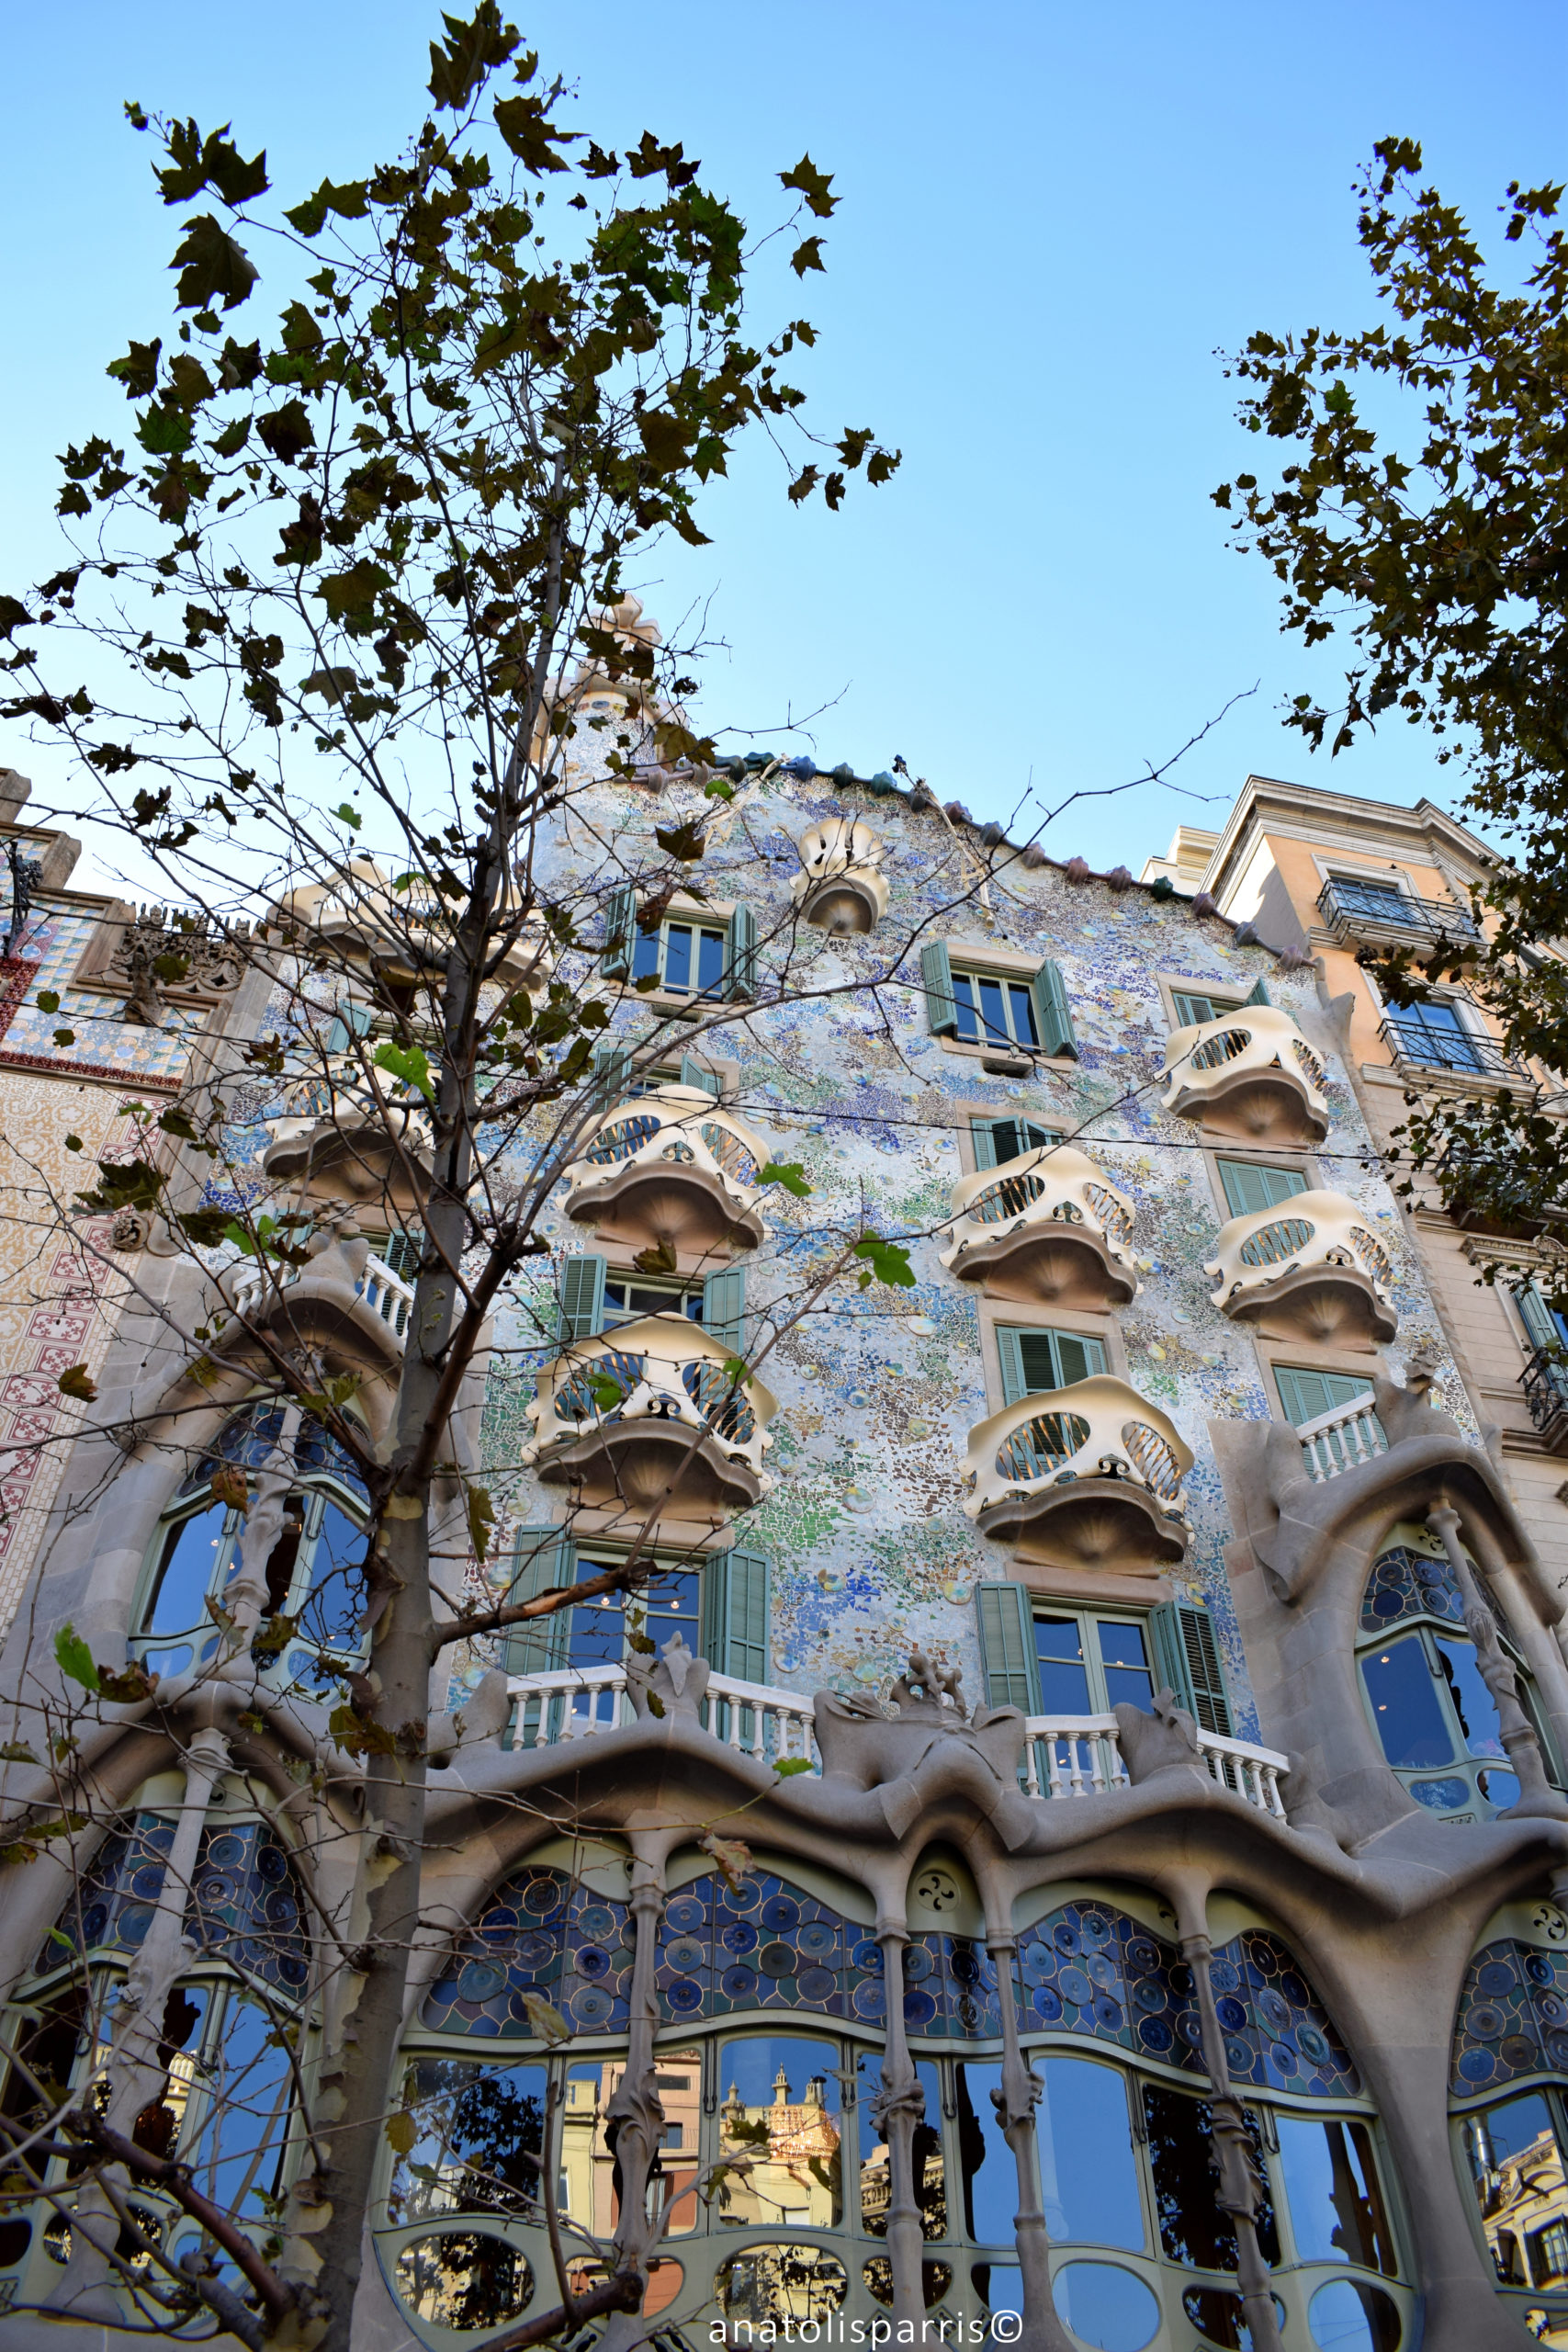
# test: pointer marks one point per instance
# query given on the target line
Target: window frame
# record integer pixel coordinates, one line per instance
(1009, 1338)
(1087, 1614)
(1223, 1162)
(703, 931)
(973, 975)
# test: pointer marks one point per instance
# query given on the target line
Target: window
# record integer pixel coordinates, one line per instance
(998, 1140)
(625, 1299)
(1249, 1186)
(313, 1573)
(1036, 1361)
(1434, 1036)
(1544, 1327)
(1193, 1006)
(1089, 1664)
(995, 1010)
(1514, 2153)
(592, 1299)
(1433, 1714)
(683, 958)
(1384, 902)
(1307, 1394)
(685, 954)
(721, 1610)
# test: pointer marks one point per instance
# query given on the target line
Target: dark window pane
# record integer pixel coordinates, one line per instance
(669, 1605)
(1406, 1707)
(1063, 1678)
(930, 2188)
(1331, 2187)
(985, 2160)
(337, 1585)
(678, 956)
(645, 954)
(1125, 1659)
(1088, 2166)
(1191, 2227)
(1023, 1002)
(190, 1554)
(710, 960)
(963, 999)
(993, 1013)
(598, 1628)
(1473, 1704)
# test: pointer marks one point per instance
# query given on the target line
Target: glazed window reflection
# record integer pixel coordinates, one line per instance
(930, 2186)
(1089, 2169)
(481, 2141)
(781, 2128)
(1331, 2187)
(1406, 1707)
(1192, 2229)
(985, 2166)
(1515, 2153)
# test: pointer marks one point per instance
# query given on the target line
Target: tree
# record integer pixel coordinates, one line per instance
(1425, 515)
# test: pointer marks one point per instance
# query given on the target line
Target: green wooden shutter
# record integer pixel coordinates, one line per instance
(1015, 1386)
(352, 1021)
(1249, 1187)
(693, 1074)
(1258, 995)
(1191, 1010)
(1007, 1646)
(620, 921)
(1052, 1013)
(984, 1132)
(1538, 1317)
(735, 1615)
(936, 977)
(724, 1308)
(582, 1297)
(1305, 1394)
(541, 1558)
(1077, 1357)
(1188, 1657)
(612, 1066)
(740, 954)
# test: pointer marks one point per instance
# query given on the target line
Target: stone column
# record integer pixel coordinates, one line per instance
(276, 1479)
(133, 2073)
(634, 2115)
(899, 2106)
(1015, 2104)
(1239, 2186)
(1520, 1745)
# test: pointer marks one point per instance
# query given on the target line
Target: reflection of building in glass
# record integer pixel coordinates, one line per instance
(785, 2157)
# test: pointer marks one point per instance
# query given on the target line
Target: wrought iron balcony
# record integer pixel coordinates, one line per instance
(1308, 1269)
(670, 1166)
(1048, 1226)
(1380, 916)
(1250, 1075)
(646, 1418)
(1086, 1477)
(841, 886)
(1415, 1043)
(1545, 1383)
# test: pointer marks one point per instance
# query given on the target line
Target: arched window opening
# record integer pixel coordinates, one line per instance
(1509, 2069)
(772, 2004)
(311, 1575)
(1436, 1718)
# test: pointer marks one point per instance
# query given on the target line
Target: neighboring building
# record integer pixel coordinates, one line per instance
(1169, 1410)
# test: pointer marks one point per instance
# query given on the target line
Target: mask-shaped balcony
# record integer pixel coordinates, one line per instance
(616, 1419)
(671, 1169)
(1047, 1227)
(337, 1145)
(1250, 1076)
(839, 886)
(1307, 1268)
(1083, 1478)
(401, 936)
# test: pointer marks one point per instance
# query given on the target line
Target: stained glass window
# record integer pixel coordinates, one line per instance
(244, 1904)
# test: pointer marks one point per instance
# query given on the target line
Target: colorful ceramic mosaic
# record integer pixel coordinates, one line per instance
(102, 1040)
(1513, 2016)
(537, 1934)
(244, 1906)
(1090, 1969)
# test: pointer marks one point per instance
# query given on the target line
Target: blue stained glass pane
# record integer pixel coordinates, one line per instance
(1406, 1707)
(644, 955)
(1022, 1003)
(710, 960)
(1087, 2161)
(678, 956)
(191, 1552)
(986, 2167)
(964, 1000)
(1473, 1704)
(993, 1013)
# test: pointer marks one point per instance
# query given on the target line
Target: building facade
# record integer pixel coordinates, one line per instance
(1131, 1664)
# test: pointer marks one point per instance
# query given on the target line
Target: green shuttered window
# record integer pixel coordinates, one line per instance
(620, 921)
(723, 1307)
(1249, 1186)
(736, 1633)
(582, 1297)
(692, 1073)
(542, 1557)
(1007, 1646)
(1034, 1360)
(1188, 1655)
(998, 1140)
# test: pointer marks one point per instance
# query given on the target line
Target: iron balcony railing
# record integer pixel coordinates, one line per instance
(1545, 1383)
(1416, 1044)
(1354, 908)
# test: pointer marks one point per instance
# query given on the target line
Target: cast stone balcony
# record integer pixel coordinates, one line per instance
(646, 1418)
(400, 934)
(669, 1167)
(336, 1143)
(1250, 1075)
(841, 886)
(1083, 1478)
(1048, 1226)
(1307, 1268)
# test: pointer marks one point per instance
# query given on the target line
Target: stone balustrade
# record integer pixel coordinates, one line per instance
(1250, 1075)
(249, 1285)
(1089, 1476)
(668, 1167)
(1308, 1269)
(645, 1417)
(1049, 1227)
(1341, 1438)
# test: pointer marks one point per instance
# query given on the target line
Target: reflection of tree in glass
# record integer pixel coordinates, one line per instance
(480, 2137)
(781, 2286)
(1191, 2227)
(464, 2280)
(936, 2278)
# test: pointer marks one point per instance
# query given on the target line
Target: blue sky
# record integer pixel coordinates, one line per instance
(1051, 219)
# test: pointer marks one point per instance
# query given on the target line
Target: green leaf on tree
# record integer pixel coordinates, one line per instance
(74, 1658)
(790, 1174)
(889, 1261)
(409, 1063)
